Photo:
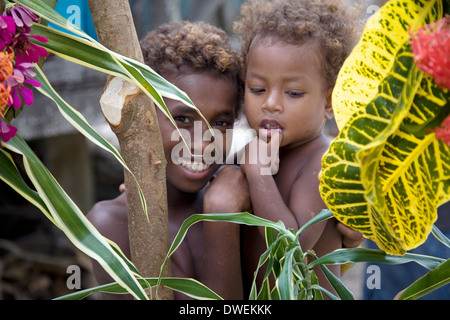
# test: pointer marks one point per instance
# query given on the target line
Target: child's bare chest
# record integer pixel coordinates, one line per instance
(289, 170)
(189, 254)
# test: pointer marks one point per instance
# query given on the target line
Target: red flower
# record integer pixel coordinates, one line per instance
(431, 48)
(444, 131)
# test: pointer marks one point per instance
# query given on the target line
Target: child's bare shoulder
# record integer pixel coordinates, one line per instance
(110, 216)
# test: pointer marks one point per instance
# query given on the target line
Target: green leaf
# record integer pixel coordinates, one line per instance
(433, 280)
(368, 255)
(386, 174)
(68, 217)
(78, 121)
(324, 215)
(341, 290)
(373, 58)
(11, 176)
(326, 292)
(242, 218)
(440, 236)
(190, 287)
(285, 281)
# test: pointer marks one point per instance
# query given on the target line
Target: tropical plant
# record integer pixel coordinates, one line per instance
(78, 47)
(386, 173)
(392, 106)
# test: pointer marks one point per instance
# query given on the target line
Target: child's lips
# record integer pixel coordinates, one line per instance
(268, 127)
(194, 166)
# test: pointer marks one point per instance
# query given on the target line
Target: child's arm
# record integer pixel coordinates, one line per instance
(227, 193)
(111, 220)
(304, 198)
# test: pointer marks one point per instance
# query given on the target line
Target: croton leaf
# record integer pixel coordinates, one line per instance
(386, 173)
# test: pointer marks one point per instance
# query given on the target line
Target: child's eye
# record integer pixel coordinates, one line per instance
(295, 94)
(221, 124)
(182, 119)
(257, 90)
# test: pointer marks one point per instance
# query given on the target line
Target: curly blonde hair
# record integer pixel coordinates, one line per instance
(332, 24)
(185, 47)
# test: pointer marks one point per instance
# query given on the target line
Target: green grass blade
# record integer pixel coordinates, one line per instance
(341, 290)
(72, 221)
(433, 280)
(324, 215)
(285, 282)
(190, 287)
(241, 218)
(78, 121)
(325, 291)
(368, 255)
(12, 177)
(440, 236)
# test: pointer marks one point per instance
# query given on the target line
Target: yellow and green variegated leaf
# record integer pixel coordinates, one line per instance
(373, 57)
(386, 173)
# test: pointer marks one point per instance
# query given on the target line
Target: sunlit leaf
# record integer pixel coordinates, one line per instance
(386, 173)
(192, 288)
(433, 280)
(369, 255)
(69, 218)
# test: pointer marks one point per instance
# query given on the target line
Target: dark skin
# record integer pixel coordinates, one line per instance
(288, 103)
(208, 247)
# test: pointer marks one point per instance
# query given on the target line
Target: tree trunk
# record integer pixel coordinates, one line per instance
(137, 129)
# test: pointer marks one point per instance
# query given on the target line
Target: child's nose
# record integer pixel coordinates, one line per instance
(202, 138)
(273, 103)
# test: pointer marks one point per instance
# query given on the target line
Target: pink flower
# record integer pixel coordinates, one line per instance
(22, 75)
(444, 131)
(7, 31)
(6, 131)
(29, 51)
(22, 16)
(431, 48)
(19, 38)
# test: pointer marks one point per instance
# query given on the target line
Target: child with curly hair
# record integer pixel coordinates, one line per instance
(292, 51)
(198, 59)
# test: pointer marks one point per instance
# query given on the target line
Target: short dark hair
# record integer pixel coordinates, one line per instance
(196, 47)
(335, 26)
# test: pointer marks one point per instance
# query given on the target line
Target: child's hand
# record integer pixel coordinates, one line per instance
(350, 238)
(228, 192)
(262, 155)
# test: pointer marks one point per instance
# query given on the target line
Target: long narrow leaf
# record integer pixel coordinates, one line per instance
(428, 283)
(324, 215)
(325, 291)
(78, 121)
(72, 221)
(368, 255)
(285, 282)
(11, 176)
(241, 218)
(341, 290)
(189, 287)
(93, 55)
(440, 236)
